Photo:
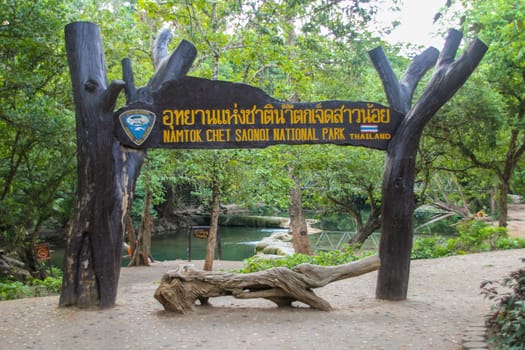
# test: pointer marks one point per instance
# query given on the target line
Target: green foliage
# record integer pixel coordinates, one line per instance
(157, 171)
(205, 170)
(50, 285)
(429, 248)
(14, 290)
(349, 181)
(34, 288)
(428, 221)
(336, 222)
(504, 243)
(518, 180)
(507, 322)
(12, 238)
(324, 258)
(474, 236)
(37, 149)
(479, 134)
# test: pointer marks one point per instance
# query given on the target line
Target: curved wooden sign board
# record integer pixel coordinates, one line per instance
(200, 113)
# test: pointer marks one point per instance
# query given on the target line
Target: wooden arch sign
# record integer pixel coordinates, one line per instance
(177, 111)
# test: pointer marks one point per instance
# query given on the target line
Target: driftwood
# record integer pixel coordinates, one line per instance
(180, 288)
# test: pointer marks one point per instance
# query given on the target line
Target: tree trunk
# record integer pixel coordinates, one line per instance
(398, 181)
(397, 224)
(512, 158)
(142, 251)
(214, 227)
(503, 205)
(106, 177)
(301, 241)
(132, 236)
(373, 222)
(364, 231)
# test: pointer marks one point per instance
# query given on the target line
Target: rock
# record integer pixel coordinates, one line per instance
(278, 243)
(475, 345)
(473, 338)
(254, 221)
(278, 250)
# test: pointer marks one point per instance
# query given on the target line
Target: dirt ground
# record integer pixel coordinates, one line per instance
(516, 220)
(443, 301)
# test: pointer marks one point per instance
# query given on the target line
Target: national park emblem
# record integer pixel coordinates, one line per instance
(137, 123)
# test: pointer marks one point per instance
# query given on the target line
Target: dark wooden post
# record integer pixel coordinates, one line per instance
(107, 171)
(398, 182)
(94, 240)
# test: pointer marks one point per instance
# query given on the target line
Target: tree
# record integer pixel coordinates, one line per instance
(37, 145)
(499, 24)
(466, 141)
(216, 175)
(94, 240)
(350, 178)
(156, 172)
(298, 227)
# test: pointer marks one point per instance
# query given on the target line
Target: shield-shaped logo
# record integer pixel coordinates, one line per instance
(137, 124)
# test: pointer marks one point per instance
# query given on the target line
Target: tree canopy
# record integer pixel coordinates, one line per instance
(37, 150)
(491, 105)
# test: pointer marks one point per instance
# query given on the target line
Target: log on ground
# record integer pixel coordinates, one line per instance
(180, 288)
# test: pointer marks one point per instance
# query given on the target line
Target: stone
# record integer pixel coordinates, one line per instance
(473, 338)
(278, 243)
(474, 345)
(480, 333)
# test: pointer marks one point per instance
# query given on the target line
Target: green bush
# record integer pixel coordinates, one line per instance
(474, 236)
(507, 322)
(430, 248)
(328, 258)
(48, 286)
(10, 290)
(14, 290)
(510, 243)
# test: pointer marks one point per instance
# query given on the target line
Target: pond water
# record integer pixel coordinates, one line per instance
(238, 243)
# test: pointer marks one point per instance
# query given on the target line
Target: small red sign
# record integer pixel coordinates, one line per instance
(42, 251)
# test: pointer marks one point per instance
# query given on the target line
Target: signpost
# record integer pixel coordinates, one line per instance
(42, 252)
(202, 232)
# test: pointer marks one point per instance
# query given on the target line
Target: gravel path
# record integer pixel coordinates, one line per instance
(443, 301)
